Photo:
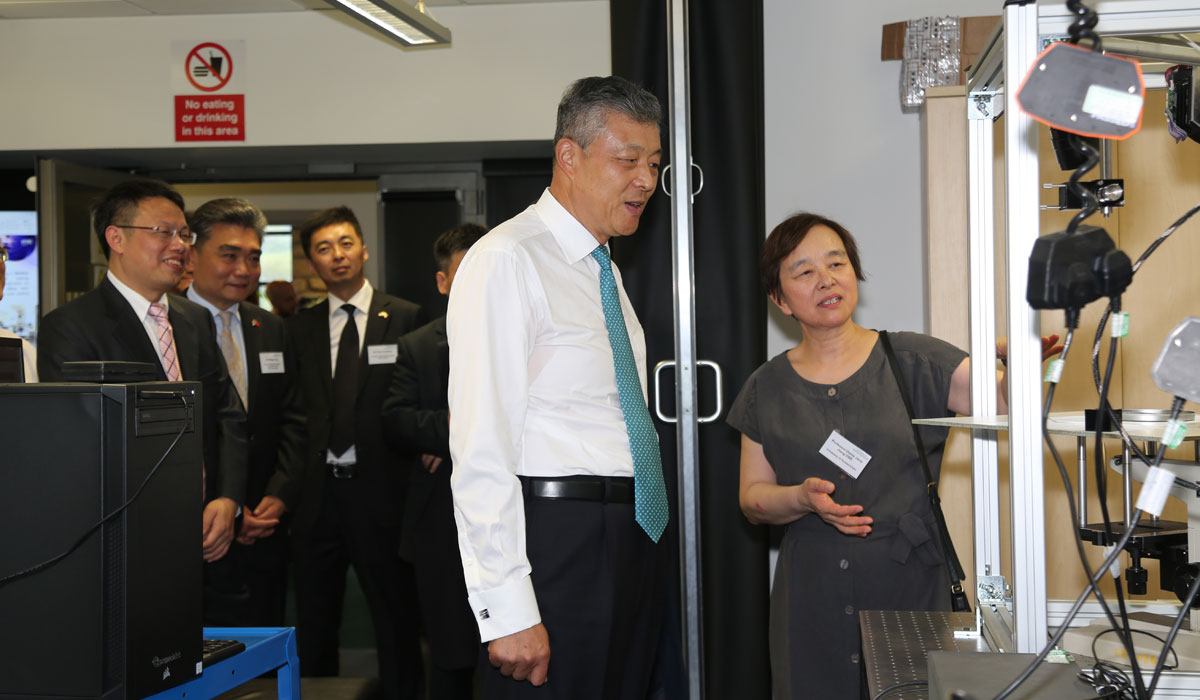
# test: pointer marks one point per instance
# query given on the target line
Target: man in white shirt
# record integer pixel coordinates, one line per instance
(28, 354)
(549, 431)
(226, 268)
(129, 317)
(352, 492)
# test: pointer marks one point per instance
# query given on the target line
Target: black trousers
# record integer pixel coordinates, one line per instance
(226, 597)
(345, 535)
(265, 565)
(600, 586)
(248, 586)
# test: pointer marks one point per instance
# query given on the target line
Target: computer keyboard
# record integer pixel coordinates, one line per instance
(217, 650)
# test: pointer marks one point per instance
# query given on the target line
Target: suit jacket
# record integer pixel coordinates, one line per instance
(416, 420)
(101, 325)
(275, 416)
(380, 480)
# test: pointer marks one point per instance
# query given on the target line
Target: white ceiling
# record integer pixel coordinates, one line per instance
(46, 9)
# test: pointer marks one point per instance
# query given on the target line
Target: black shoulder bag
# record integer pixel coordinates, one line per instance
(958, 598)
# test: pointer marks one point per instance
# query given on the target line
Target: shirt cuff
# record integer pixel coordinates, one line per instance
(505, 610)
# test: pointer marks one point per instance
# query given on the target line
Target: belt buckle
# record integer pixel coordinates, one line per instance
(342, 471)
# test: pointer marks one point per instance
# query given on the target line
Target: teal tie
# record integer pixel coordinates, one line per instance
(649, 493)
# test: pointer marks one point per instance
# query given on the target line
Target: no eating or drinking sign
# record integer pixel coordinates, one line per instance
(216, 70)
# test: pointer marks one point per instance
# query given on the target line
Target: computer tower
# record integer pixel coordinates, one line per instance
(120, 617)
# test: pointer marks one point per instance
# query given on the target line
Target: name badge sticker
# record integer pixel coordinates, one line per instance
(849, 457)
(382, 354)
(270, 362)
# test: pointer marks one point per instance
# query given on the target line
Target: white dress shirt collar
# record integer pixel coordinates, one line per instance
(193, 295)
(141, 305)
(361, 299)
(575, 240)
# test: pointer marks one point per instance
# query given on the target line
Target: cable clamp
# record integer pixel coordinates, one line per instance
(1120, 324)
(1173, 433)
(1155, 489)
(1054, 370)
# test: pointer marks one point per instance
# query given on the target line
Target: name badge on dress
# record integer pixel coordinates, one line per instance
(845, 454)
(270, 362)
(382, 354)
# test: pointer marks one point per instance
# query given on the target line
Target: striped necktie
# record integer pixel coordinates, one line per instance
(166, 342)
(233, 358)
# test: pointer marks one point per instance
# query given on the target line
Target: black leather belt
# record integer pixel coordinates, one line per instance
(343, 471)
(606, 489)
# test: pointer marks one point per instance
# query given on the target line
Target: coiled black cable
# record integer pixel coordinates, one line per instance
(1082, 28)
(1085, 22)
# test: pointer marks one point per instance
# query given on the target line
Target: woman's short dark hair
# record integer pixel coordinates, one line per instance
(323, 218)
(121, 202)
(787, 235)
(586, 104)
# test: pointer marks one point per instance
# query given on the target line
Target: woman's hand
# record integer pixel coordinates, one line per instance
(815, 496)
(1050, 347)
(960, 382)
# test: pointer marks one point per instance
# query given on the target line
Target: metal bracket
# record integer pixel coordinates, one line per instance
(991, 590)
(1110, 193)
(985, 105)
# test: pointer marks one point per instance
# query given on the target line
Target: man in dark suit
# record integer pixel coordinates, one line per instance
(226, 262)
(416, 419)
(128, 317)
(352, 494)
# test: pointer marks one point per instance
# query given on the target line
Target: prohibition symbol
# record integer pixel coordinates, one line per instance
(209, 67)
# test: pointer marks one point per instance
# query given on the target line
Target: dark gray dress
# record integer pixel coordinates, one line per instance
(823, 577)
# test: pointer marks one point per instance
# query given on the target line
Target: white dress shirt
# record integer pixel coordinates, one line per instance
(236, 326)
(337, 324)
(141, 309)
(532, 392)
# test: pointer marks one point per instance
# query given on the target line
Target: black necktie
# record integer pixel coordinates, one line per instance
(345, 385)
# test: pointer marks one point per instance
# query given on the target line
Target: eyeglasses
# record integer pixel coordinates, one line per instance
(186, 236)
(3, 254)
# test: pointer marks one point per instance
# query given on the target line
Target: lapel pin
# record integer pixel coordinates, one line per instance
(383, 314)
(255, 322)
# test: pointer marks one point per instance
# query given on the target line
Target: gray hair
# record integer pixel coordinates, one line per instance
(237, 212)
(587, 103)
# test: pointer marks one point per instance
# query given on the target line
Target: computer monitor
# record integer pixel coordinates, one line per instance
(12, 365)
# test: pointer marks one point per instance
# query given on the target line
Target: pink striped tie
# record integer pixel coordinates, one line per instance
(166, 342)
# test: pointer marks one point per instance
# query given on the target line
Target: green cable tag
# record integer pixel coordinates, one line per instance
(1174, 433)
(1054, 370)
(1058, 656)
(1120, 324)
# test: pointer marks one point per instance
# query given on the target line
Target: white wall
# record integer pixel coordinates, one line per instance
(312, 77)
(838, 144)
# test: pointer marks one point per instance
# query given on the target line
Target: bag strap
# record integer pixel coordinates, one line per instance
(952, 562)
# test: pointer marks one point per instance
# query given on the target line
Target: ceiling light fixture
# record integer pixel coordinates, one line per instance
(396, 20)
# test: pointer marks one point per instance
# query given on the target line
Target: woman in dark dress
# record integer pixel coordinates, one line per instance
(851, 542)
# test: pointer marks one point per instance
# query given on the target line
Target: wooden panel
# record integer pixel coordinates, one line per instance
(944, 176)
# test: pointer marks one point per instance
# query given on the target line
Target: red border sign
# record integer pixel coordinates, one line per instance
(195, 53)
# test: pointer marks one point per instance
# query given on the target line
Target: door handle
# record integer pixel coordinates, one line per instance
(658, 368)
(720, 393)
(658, 390)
